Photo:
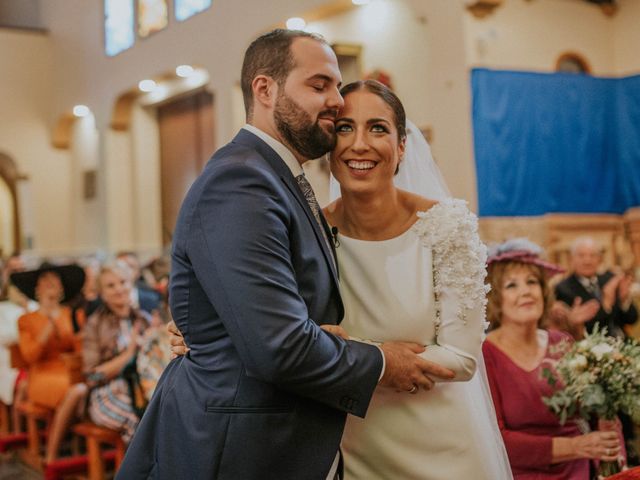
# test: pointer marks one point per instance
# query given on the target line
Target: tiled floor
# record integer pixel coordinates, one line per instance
(10, 470)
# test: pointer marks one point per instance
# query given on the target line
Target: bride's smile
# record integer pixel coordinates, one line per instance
(369, 147)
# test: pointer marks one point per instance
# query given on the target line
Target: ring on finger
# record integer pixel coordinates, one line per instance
(414, 389)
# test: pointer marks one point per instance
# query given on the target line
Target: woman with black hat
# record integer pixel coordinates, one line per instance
(45, 336)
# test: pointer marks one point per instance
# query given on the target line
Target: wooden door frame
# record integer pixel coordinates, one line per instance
(10, 176)
(196, 94)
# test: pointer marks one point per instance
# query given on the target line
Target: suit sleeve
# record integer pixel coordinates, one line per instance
(564, 294)
(626, 317)
(91, 345)
(240, 252)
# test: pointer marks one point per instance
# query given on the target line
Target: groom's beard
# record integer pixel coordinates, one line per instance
(299, 130)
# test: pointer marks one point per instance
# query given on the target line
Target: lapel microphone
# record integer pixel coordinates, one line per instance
(334, 234)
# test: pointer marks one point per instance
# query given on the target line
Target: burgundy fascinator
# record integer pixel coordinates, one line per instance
(523, 251)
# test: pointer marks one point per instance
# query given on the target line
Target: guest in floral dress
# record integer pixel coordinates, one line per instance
(111, 343)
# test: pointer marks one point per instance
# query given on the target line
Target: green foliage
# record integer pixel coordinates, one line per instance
(599, 375)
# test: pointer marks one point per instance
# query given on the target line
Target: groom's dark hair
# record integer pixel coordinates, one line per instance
(270, 54)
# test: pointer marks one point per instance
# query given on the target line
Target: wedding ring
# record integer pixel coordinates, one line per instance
(414, 389)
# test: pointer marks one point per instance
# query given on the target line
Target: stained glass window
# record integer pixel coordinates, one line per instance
(188, 8)
(118, 26)
(152, 16)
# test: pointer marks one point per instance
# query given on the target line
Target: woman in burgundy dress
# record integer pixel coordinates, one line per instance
(516, 352)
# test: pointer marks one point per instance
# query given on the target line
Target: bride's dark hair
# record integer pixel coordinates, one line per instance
(385, 93)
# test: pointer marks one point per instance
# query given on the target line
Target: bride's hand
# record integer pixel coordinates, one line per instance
(336, 330)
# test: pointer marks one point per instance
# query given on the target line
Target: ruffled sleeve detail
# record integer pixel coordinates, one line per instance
(459, 257)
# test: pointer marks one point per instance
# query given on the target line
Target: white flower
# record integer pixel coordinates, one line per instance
(577, 363)
(601, 349)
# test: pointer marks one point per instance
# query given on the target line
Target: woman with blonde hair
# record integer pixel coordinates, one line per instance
(111, 342)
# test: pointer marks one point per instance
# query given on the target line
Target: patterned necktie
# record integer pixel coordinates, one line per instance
(595, 288)
(310, 197)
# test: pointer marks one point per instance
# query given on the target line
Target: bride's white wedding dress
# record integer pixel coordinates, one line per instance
(425, 286)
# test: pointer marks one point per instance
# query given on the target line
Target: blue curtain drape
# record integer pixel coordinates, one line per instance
(555, 143)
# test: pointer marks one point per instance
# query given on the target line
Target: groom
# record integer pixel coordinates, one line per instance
(264, 392)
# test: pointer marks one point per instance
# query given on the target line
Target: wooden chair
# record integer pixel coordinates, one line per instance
(34, 414)
(96, 436)
(5, 415)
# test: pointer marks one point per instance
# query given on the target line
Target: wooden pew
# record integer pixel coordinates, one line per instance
(33, 415)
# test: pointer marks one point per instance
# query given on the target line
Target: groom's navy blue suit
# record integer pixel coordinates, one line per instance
(264, 392)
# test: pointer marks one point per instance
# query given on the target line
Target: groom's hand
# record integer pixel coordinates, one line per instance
(336, 330)
(406, 371)
(178, 345)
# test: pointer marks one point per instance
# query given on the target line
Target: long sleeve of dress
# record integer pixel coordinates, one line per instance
(30, 348)
(459, 257)
(91, 357)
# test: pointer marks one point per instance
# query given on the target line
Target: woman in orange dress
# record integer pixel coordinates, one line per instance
(45, 336)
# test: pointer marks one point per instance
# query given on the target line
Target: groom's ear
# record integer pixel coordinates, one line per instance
(265, 90)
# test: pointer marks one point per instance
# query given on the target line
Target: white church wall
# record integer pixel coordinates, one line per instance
(532, 35)
(626, 38)
(26, 64)
(428, 46)
(129, 170)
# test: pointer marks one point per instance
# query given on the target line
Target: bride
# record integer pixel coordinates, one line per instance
(411, 269)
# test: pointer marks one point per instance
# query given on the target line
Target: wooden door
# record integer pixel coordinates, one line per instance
(186, 143)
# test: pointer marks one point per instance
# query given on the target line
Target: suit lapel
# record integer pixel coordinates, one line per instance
(247, 138)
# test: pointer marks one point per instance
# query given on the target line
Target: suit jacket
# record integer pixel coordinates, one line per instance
(263, 392)
(570, 288)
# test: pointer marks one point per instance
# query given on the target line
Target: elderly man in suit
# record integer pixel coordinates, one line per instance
(611, 291)
(264, 391)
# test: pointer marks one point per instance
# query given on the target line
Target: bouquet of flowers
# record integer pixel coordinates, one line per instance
(599, 375)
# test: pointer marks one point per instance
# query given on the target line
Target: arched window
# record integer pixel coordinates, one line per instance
(571, 62)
